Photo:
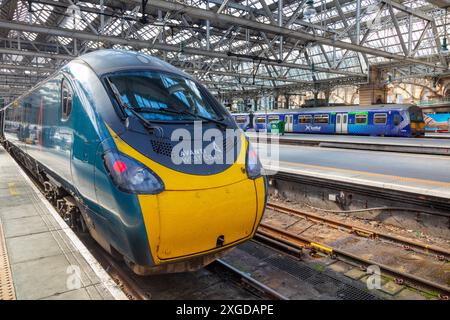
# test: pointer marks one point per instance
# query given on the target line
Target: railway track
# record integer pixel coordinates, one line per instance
(240, 277)
(408, 244)
(275, 237)
(135, 289)
(295, 243)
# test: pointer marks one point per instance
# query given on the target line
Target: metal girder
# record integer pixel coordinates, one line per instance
(42, 54)
(415, 12)
(243, 75)
(253, 10)
(25, 68)
(273, 29)
(424, 32)
(397, 29)
(445, 4)
(57, 31)
(438, 41)
(268, 12)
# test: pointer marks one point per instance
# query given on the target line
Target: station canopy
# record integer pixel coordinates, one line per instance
(235, 47)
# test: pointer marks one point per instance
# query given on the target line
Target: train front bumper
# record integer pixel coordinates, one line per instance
(189, 229)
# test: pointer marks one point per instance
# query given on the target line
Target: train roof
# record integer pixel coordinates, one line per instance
(340, 109)
(113, 60)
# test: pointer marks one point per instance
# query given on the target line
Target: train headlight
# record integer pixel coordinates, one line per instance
(130, 175)
(253, 165)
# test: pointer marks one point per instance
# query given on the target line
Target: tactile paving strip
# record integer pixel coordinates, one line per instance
(6, 283)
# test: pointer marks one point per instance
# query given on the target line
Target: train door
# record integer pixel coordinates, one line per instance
(342, 123)
(289, 123)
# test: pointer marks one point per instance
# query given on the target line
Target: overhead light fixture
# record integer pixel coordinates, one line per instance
(434, 84)
(158, 22)
(309, 10)
(444, 46)
(181, 55)
(389, 78)
(74, 11)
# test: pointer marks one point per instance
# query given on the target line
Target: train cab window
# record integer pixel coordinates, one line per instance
(416, 116)
(380, 118)
(321, 118)
(240, 119)
(304, 118)
(66, 100)
(397, 119)
(260, 119)
(361, 118)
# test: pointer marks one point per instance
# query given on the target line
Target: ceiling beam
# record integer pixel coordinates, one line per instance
(62, 32)
(273, 29)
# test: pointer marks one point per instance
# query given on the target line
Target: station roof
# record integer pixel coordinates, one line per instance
(232, 46)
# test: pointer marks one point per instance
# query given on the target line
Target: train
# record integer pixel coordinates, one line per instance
(375, 120)
(127, 147)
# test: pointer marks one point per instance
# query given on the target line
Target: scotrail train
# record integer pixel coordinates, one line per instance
(99, 136)
(377, 120)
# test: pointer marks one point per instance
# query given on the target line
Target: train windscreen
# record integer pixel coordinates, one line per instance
(163, 96)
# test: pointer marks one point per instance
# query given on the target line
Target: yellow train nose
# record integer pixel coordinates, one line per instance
(192, 222)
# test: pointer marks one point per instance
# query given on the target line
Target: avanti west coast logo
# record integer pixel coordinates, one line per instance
(214, 146)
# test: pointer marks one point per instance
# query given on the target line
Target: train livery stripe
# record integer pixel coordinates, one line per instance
(175, 180)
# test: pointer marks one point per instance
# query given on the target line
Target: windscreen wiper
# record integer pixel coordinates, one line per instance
(147, 124)
(196, 115)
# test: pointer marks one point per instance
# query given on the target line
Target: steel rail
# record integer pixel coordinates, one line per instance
(130, 285)
(345, 255)
(260, 287)
(361, 231)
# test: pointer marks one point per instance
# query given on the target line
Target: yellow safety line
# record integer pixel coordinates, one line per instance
(371, 174)
(12, 189)
(7, 291)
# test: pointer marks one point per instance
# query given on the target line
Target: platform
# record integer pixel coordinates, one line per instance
(420, 174)
(40, 256)
(429, 145)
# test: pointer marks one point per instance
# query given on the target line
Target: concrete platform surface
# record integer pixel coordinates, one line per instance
(420, 174)
(47, 260)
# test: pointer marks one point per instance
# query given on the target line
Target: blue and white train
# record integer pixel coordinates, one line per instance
(377, 120)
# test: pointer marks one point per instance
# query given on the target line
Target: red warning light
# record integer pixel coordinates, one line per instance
(120, 166)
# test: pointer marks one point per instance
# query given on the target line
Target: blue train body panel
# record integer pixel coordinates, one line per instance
(66, 127)
(70, 150)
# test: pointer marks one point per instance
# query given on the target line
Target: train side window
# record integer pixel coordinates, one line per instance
(379, 118)
(361, 119)
(240, 119)
(304, 118)
(321, 118)
(397, 120)
(274, 118)
(66, 100)
(260, 119)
